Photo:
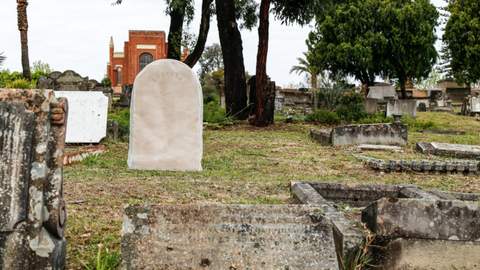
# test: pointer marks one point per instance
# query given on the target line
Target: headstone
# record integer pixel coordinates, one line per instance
(220, 237)
(87, 118)
(166, 118)
(402, 107)
(32, 212)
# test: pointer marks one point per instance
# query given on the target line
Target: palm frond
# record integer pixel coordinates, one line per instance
(2, 58)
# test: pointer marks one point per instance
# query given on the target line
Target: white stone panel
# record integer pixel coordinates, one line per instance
(87, 116)
(166, 118)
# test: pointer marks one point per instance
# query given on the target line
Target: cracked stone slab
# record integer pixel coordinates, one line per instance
(227, 237)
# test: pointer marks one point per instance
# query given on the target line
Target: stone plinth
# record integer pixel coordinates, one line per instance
(32, 212)
(227, 237)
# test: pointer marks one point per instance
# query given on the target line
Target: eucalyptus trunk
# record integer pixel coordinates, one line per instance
(234, 68)
(261, 74)
(23, 28)
(197, 52)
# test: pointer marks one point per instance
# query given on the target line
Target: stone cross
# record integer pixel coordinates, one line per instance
(32, 209)
(166, 120)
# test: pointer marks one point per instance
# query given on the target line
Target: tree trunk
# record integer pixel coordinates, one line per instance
(23, 28)
(234, 68)
(261, 75)
(314, 80)
(193, 58)
(403, 87)
(175, 32)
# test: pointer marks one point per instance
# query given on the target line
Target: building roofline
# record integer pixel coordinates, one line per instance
(146, 31)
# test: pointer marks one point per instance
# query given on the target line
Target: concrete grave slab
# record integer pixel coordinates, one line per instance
(424, 219)
(227, 237)
(450, 150)
(420, 254)
(377, 147)
(383, 134)
(87, 118)
(166, 118)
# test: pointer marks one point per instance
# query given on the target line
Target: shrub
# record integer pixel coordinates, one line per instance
(20, 84)
(329, 98)
(122, 117)
(323, 117)
(375, 119)
(213, 113)
(351, 107)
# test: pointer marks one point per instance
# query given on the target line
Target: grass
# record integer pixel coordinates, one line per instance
(243, 165)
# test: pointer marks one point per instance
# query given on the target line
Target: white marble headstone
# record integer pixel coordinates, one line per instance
(87, 116)
(166, 118)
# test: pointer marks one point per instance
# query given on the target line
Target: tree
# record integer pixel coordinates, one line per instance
(228, 12)
(211, 60)
(300, 11)
(462, 39)
(23, 28)
(40, 69)
(305, 66)
(179, 11)
(195, 55)
(410, 31)
(396, 39)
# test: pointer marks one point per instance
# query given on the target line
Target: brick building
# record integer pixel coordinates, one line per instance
(142, 48)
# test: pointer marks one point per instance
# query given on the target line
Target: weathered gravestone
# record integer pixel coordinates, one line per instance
(32, 209)
(87, 116)
(223, 237)
(166, 118)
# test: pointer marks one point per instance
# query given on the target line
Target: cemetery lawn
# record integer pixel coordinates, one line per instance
(242, 165)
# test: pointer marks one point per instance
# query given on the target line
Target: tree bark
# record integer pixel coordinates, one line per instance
(23, 28)
(197, 52)
(403, 87)
(314, 80)
(234, 68)
(261, 74)
(175, 32)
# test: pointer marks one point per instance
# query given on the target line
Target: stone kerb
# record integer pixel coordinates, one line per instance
(32, 216)
(166, 118)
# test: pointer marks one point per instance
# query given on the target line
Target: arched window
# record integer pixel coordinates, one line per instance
(145, 59)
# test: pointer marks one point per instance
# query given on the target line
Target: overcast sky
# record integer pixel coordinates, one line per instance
(72, 34)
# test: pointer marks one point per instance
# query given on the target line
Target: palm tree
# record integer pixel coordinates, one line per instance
(2, 58)
(306, 67)
(23, 28)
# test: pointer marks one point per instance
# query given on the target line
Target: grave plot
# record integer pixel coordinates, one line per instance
(32, 212)
(227, 237)
(413, 228)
